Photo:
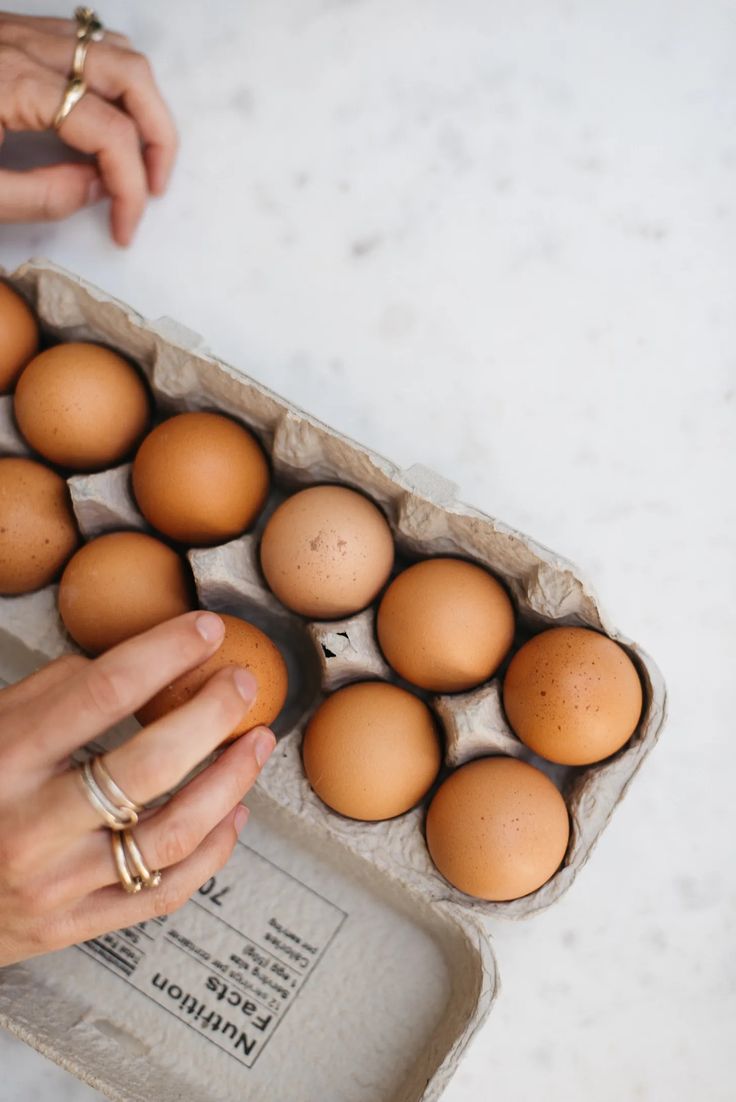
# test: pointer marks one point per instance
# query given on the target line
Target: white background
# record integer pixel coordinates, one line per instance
(499, 239)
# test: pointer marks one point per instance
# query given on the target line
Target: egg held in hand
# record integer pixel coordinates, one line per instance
(371, 750)
(119, 585)
(246, 646)
(200, 478)
(38, 531)
(81, 406)
(497, 828)
(572, 695)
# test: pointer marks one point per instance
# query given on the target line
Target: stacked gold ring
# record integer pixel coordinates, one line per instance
(125, 853)
(135, 858)
(89, 30)
(119, 813)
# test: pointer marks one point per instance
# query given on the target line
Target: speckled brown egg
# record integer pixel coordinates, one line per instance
(200, 478)
(81, 405)
(572, 695)
(18, 336)
(371, 750)
(445, 624)
(244, 645)
(497, 828)
(38, 531)
(119, 585)
(326, 552)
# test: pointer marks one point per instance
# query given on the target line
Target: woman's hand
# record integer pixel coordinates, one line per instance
(122, 121)
(58, 881)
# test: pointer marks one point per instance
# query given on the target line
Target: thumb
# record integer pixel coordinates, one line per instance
(48, 194)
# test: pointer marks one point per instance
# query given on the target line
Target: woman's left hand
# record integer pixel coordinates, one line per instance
(121, 120)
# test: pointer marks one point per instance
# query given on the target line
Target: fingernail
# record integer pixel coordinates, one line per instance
(246, 684)
(240, 818)
(210, 627)
(263, 745)
(95, 191)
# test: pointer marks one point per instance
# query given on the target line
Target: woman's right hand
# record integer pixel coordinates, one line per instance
(58, 880)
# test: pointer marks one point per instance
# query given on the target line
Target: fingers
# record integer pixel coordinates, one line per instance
(117, 75)
(48, 194)
(30, 95)
(127, 76)
(13, 24)
(50, 675)
(111, 909)
(171, 834)
(94, 126)
(161, 755)
(114, 686)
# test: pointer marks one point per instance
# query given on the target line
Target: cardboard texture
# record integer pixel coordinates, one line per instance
(218, 1001)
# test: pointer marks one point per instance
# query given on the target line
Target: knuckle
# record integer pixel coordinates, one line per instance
(47, 932)
(34, 897)
(139, 65)
(36, 936)
(14, 861)
(71, 663)
(13, 61)
(175, 843)
(223, 704)
(14, 34)
(169, 898)
(54, 204)
(106, 691)
(121, 129)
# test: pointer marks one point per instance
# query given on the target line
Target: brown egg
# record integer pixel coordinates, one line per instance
(38, 531)
(119, 585)
(18, 336)
(244, 645)
(572, 695)
(326, 552)
(200, 478)
(371, 750)
(445, 624)
(81, 406)
(497, 828)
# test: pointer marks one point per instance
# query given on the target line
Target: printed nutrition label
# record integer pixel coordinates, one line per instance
(233, 960)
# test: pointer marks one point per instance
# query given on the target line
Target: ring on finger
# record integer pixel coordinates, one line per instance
(129, 882)
(116, 809)
(135, 859)
(73, 92)
(89, 29)
(113, 790)
(89, 24)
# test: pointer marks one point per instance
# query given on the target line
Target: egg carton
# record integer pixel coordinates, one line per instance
(426, 519)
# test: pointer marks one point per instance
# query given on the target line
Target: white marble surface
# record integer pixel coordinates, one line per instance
(499, 239)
